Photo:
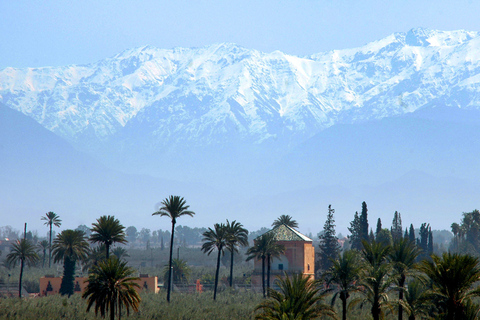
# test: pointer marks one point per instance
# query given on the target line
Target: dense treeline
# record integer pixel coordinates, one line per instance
(386, 272)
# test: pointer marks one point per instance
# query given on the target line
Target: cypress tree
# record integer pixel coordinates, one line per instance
(355, 240)
(329, 248)
(397, 228)
(411, 234)
(364, 222)
(430, 241)
(405, 236)
(379, 228)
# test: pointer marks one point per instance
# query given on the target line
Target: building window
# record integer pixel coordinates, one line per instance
(280, 266)
(308, 267)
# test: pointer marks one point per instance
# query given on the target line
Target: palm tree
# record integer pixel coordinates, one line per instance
(285, 219)
(111, 286)
(417, 299)
(120, 253)
(345, 273)
(453, 276)
(375, 280)
(180, 271)
(51, 219)
(259, 251)
(274, 250)
(69, 246)
(22, 251)
(403, 255)
(108, 230)
(298, 298)
(237, 236)
(215, 239)
(43, 246)
(173, 207)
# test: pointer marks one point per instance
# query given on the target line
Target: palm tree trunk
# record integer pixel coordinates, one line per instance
(216, 273)
(112, 309)
(231, 267)
(401, 284)
(107, 249)
(170, 263)
(20, 279)
(50, 249)
(268, 274)
(263, 275)
(344, 305)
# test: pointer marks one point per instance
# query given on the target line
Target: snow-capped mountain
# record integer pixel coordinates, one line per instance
(224, 92)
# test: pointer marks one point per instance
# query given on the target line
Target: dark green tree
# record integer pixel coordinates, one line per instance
(131, 233)
(376, 280)
(385, 237)
(344, 274)
(355, 239)
(173, 207)
(215, 239)
(423, 241)
(364, 222)
(23, 252)
(69, 246)
(51, 219)
(237, 236)
(285, 219)
(411, 234)
(180, 271)
(328, 246)
(259, 251)
(397, 228)
(453, 277)
(108, 230)
(379, 228)
(402, 257)
(430, 241)
(43, 246)
(110, 287)
(298, 297)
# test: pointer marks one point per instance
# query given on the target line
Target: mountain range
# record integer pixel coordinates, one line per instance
(395, 123)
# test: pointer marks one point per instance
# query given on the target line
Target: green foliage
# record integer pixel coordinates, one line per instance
(397, 228)
(237, 236)
(452, 276)
(173, 207)
(286, 220)
(108, 230)
(69, 246)
(51, 219)
(181, 272)
(215, 239)
(328, 246)
(23, 252)
(111, 287)
(298, 297)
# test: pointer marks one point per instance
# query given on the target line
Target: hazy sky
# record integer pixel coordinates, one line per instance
(43, 33)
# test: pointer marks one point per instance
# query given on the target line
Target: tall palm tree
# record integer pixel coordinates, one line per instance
(453, 277)
(108, 230)
(345, 273)
(403, 255)
(237, 236)
(111, 286)
(259, 251)
(274, 250)
(215, 239)
(43, 246)
(51, 219)
(120, 253)
(69, 246)
(173, 207)
(298, 298)
(22, 251)
(285, 219)
(375, 279)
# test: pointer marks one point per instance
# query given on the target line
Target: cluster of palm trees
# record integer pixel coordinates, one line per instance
(389, 280)
(110, 280)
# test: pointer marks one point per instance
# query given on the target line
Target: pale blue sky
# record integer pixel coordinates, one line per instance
(44, 33)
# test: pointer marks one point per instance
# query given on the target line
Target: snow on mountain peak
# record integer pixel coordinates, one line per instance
(194, 94)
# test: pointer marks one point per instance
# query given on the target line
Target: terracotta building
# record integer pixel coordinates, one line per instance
(299, 255)
(51, 285)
